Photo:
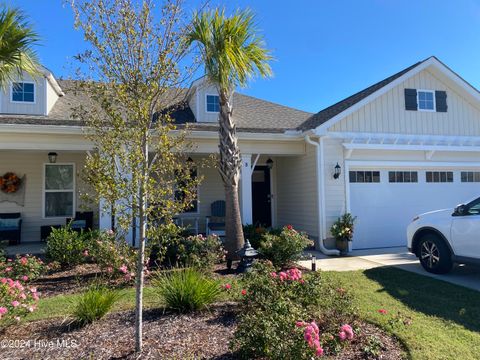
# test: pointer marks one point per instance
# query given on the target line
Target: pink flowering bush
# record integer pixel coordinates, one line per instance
(284, 248)
(114, 256)
(24, 268)
(290, 315)
(16, 300)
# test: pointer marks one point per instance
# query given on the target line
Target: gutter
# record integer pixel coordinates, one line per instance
(320, 183)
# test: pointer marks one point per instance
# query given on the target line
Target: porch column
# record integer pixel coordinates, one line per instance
(246, 188)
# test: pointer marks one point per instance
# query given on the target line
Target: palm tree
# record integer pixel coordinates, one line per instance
(232, 53)
(16, 41)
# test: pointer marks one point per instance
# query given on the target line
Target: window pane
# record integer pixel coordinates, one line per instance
(213, 104)
(449, 176)
(429, 176)
(391, 176)
(399, 176)
(16, 96)
(376, 176)
(28, 87)
(360, 176)
(429, 96)
(477, 177)
(443, 177)
(58, 204)
(352, 176)
(368, 176)
(436, 176)
(414, 176)
(464, 176)
(406, 176)
(421, 95)
(59, 177)
(28, 97)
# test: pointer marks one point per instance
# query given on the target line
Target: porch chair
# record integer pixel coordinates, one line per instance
(81, 221)
(11, 227)
(215, 223)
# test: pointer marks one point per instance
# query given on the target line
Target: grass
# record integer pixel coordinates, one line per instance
(443, 319)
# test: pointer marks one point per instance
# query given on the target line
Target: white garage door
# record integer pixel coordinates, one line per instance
(386, 200)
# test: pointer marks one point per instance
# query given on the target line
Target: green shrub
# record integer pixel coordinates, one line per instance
(94, 304)
(275, 303)
(114, 256)
(186, 290)
(285, 247)
(23, 268)
(66, 247)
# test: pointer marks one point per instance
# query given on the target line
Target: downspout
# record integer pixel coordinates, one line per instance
(320, 175)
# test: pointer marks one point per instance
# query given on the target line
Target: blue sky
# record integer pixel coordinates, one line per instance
(324, 50)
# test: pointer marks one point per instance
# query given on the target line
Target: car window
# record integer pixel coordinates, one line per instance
(474, 207)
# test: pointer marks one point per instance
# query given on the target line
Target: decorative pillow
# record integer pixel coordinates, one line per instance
(78, 224)
(9, 224)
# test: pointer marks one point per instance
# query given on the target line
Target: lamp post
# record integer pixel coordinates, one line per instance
(247, 255)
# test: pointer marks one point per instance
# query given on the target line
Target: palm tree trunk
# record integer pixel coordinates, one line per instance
(229, 168)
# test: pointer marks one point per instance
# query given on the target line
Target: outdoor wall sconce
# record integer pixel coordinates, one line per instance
(269, 163)
(338, 171)
(52, 157)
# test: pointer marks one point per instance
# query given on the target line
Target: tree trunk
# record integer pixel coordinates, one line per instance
(229, 168)
(141, 253)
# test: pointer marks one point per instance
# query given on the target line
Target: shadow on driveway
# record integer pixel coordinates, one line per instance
(430, 296)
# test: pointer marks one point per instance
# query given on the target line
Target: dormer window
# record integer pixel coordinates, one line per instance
(426, 100)
(23, 92)
(213, 103)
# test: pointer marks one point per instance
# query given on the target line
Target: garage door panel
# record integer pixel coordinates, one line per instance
(385, 209)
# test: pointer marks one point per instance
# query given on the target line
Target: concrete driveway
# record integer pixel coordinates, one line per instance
(463, 275)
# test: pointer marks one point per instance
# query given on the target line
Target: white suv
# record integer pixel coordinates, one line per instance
(443, 237)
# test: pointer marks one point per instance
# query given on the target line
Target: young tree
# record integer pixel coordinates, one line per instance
(16, 41)
(232, 53)
(134, 56)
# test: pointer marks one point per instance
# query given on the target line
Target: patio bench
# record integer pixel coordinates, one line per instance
(11, 227)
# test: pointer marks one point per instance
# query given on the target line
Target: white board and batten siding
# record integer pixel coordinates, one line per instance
(297, 192)
(387, 113)
(384, 209)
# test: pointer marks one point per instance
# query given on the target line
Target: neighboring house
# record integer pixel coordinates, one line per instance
(405, 145)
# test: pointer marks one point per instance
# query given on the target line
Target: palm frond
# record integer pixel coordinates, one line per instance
(16, 40)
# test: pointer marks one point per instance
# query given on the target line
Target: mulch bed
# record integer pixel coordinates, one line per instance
(166, 336)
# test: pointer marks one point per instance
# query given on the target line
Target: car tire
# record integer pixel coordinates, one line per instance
(434, 255)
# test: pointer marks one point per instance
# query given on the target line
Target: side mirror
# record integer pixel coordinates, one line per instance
(460, 210)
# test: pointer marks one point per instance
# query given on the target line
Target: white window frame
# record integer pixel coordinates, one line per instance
(434, 101)
(24, 102)
(206, 105)
(44, 191)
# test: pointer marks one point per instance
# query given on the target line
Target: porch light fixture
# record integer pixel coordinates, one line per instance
(52, 157)
(269, 163)
(338, 171)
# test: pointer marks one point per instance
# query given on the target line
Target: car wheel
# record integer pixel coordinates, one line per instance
(434, 255)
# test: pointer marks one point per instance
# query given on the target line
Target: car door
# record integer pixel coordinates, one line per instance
(465, 232)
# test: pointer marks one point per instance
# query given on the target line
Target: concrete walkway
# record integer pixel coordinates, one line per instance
(463, 275)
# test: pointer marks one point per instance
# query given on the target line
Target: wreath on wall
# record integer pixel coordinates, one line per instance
(10, 183)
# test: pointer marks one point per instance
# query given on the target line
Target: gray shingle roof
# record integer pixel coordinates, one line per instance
(250, 114)
(335, 109)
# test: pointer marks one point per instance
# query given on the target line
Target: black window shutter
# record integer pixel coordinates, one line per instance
(411, 99)
(441, 101)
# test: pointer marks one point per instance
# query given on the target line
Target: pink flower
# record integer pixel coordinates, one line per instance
(300, 324)
(23, 261)
(128, 277)
(15, 303)
(283, 276)
(273, 274)
(35, 296)
(123, 269)
(289, 227)
(3, 310)
(244, 292)
(227, 286)
(8, 269)
(3, 280)
(382, 311)
(9, 260)
(319, 351)
(23, 296)
(85, 253)
(342, 335)
(25, 278)
(32, 308)
(347, 330)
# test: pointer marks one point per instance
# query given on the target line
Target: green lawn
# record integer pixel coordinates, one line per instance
(445, 319)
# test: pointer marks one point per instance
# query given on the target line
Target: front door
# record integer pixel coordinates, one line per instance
(262, 209)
